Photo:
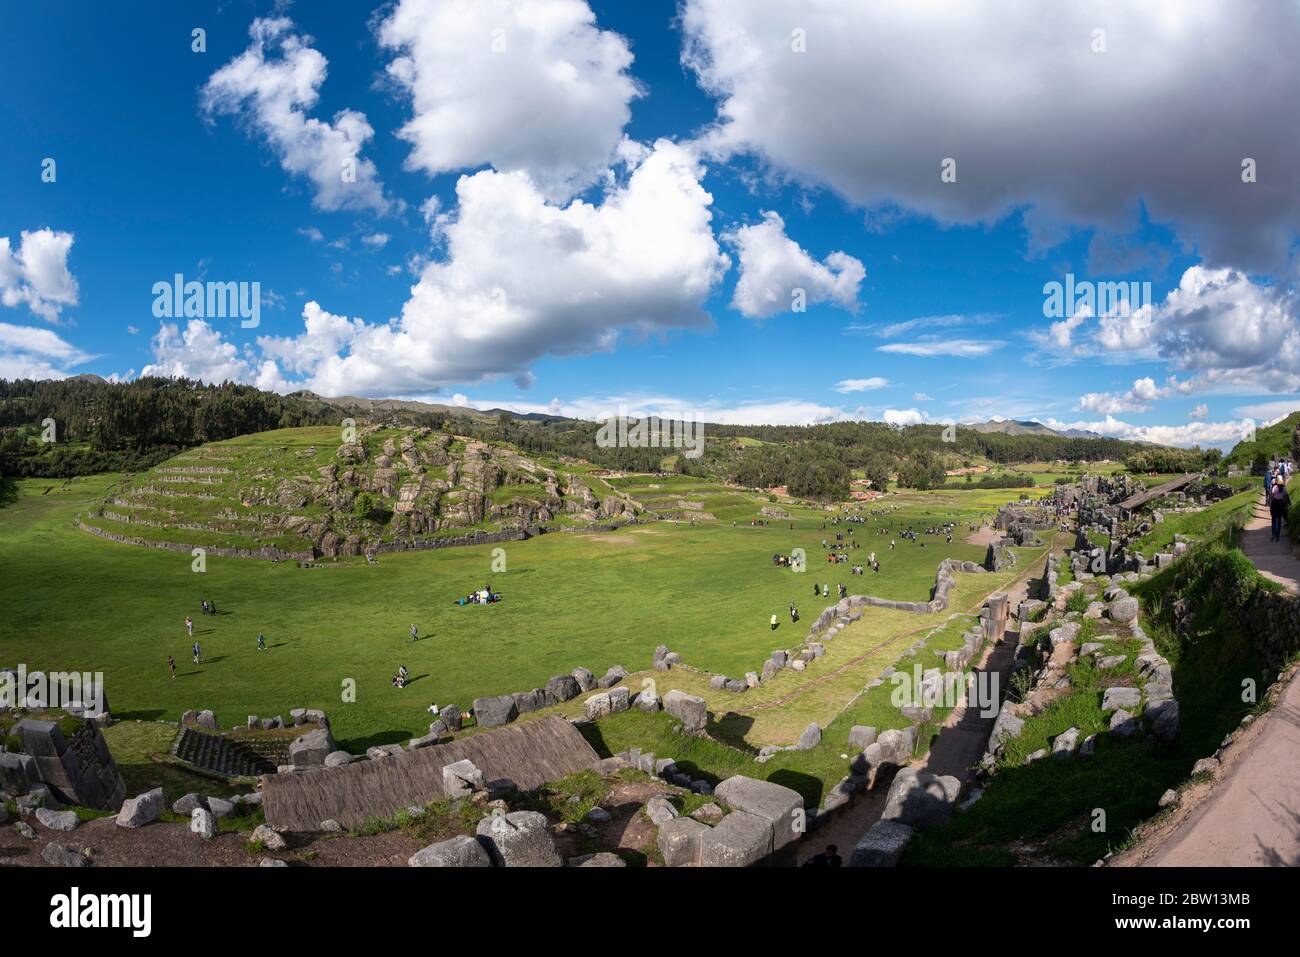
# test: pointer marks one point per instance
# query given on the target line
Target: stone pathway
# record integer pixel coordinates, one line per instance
(956, 751)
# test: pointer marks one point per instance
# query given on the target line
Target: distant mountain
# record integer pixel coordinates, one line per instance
(357, 403)
(1020, 427)
(1081, 434)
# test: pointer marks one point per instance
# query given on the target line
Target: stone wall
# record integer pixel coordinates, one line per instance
(78, 767)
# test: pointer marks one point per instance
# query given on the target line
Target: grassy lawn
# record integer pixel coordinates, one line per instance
(74, 601)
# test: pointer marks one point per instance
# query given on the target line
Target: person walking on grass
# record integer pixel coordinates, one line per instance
(198, 655)
(414, 633)
(261, 642)
(189, 627)
(774, 623)
(171, 666)
(1279, 504)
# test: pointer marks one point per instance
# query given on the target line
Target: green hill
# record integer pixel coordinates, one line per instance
(1272, 442)
(305, 492)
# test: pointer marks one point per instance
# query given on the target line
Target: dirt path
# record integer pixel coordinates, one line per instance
(1249, 814)
(1273, 559)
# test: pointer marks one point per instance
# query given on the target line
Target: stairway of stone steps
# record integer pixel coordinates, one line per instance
(220, 754)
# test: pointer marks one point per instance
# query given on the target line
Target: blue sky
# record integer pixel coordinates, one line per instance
(575, 206)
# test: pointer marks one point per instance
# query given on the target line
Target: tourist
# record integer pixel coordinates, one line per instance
(261, 642)
(198, 656)
(403, 672)
(189, 627)
(827, 858)
(414, 633)
(774, 622)
(433, 710)
(171, 666)
(204, 604)
(212, 607)
(1279, 503)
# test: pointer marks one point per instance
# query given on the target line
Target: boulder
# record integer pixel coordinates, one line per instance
(461, 779)
(612, 677)
(689, 709)
(1006, 727)
(811, 737)
(336, 759)
(1163, 716)
(707, 814)
(740, 839)
(619, 699)
(679, 840)
(1123, 724)
(312, 748)
(57, 855)
(586, 680)
(143, 809)
(1066, 743)
(597, 706)
(921, 800)
(861, 735)
(660, 810)
(203, 823)
(269, 839)
(519, 839)
(1120, 697)
(882, 845)
(562, 688)
(896, 745)
(780, 806)
(528, 701)
(600, 859)
(493, 712)
(1123, 609)
(57, 820)
(460, 851)
(17, 772)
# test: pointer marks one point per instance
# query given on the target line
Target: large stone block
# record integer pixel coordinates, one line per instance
(143, 809)
(679, 841)
(461, 779)
(495, 711)
(740, 839)
(519, 839)
(460, 851)
(921, 800)
(689, 709)
(775, 803)
(882, 845)
(312, 748)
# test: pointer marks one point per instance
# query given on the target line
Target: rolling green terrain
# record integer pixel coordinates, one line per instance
(76, 601)
(1271, 443)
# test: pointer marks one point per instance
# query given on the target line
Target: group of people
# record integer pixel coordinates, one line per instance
(1275, 493)
(399, 679)
(485, 596)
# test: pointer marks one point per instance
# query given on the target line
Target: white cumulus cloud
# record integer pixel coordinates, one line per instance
(36, 273)
(520, 85)
(272, 87)
(773, 267)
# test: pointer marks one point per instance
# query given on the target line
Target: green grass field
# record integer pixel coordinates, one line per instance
(74, 601)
